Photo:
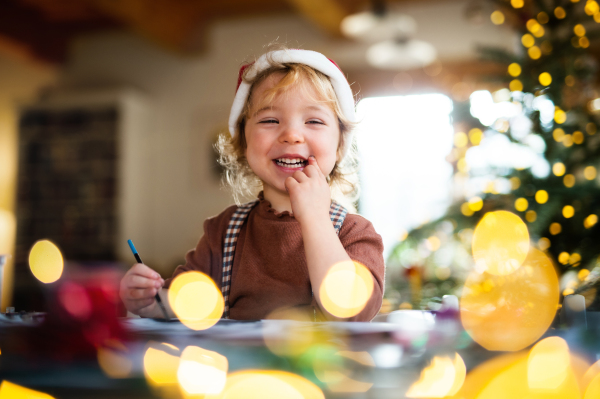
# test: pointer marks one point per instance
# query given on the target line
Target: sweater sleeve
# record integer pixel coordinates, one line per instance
(206, 257)
(364, 245)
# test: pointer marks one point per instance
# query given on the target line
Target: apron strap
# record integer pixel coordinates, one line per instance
(337, 213)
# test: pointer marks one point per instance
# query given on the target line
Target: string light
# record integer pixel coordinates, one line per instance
(597, 17)
(466, 210)
(589, 172)
(555, 228)
(521, 204)
(460, 139)
(515, 85)
(578, 137)
(515, 182)
(568, 211)
(558, 169)
(560, 116)
(590, 221)
(534, 52)
(563, 258)
(497, 17)
(541, 196)
(543, 243)
(517, 3)
(531, 216)
(560, 13)
(475, 204)
(475, 135)
(584, 42)
(569, 180)
(545, 79)
(579, 30)
(583, 273)
(575, 259)
(590, 128)
(558, 134)
(591, 7)
(542, 17)
(569, 80)
(567, 140)
(514, 69)
(527, 40)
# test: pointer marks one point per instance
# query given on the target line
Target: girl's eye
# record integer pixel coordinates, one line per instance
(315, 121)
(268, 121)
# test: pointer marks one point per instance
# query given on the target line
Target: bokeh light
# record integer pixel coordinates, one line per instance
(548, 364)
(196, 300)
(500, 243)
(443, 377)
(9, 390)
(543, 18)
(269, 384)
(331, 367)
(113, 359)
(560, 13)
(507, 376)
(288, 338)
(515, 85)
(531, 216)
(517, 3)
(527, 40)
(590, 221)
(161, 362)
(543, 243)
(591, 7)
(475, 204)
(534, 52)
(560, 116)
(497, 17)
(460, 139)
(563, 258)
(346, 289)
(545, 79)
(555, 228)
(558, 134)
(589, 172)
(202, 371)
(46, 261)
(569, 180)
(514, 69)
(568, 211)
(511, 312)
(541, 196)
(578, 137)
(521, 204)
(558, 169)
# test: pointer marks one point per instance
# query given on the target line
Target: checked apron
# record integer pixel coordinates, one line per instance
(337, 213)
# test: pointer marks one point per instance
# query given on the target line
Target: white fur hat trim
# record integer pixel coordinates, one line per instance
(311, 58)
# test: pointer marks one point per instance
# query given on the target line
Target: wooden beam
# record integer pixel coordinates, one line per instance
(326, 14)
(174, 24)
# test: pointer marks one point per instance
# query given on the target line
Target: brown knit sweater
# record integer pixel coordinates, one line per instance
(269, 268)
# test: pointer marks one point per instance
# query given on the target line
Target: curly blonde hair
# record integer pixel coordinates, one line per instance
(238, 175)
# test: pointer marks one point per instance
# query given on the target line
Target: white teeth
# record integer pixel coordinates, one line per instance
(293, 162)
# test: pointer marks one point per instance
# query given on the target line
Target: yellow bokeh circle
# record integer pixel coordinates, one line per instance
(509, 313)
(568, 211)
(346, 289)
(497, 17)
(521, 204)
(541, 196)
(545, 78)
(515, 85)
(196, 300)
(46, 261)
(558, 169)
(514, 69)
(269, 384)
(500, 243)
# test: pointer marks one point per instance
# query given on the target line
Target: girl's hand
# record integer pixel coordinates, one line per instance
(138, 287)
(310, 194)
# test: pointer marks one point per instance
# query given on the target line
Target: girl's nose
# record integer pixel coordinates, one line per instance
(291, 135)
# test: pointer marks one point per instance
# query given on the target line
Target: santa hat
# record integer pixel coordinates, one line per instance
(311, 58)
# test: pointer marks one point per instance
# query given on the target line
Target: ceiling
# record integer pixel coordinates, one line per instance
(41, 30)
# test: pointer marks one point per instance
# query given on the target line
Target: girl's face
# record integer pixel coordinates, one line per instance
(281, 136)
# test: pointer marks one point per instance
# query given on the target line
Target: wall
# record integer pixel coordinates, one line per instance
(189, 100)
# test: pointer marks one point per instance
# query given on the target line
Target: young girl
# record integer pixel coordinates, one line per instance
(291, 136)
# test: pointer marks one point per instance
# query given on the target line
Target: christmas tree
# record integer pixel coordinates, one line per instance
(532, 148)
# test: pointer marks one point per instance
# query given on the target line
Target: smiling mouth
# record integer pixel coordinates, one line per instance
(291, 163)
